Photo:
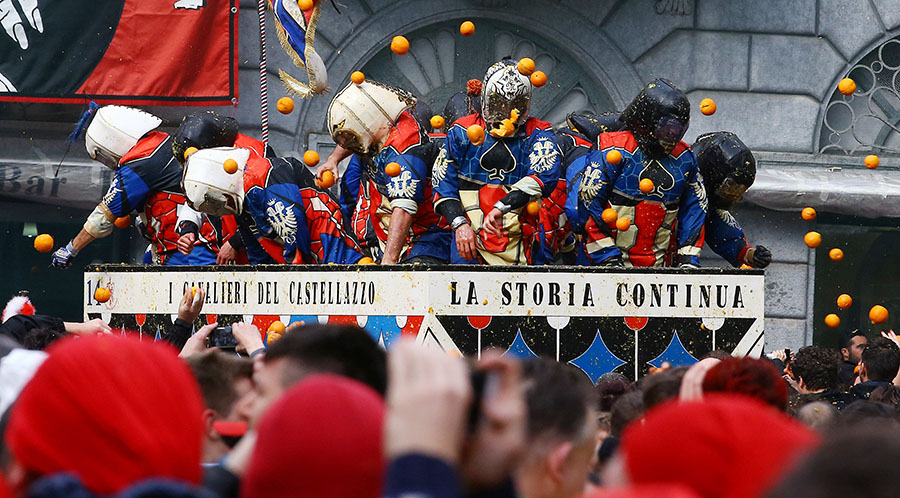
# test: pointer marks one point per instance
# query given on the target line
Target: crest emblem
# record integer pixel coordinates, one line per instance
(113, 189)
(283, 221)
(403, 186)
(700, 192)
(543, 155)
(727, 217)
(591, 182)
(439, 171)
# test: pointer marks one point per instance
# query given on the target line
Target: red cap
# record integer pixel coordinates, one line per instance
(724, 446)
(645, 491)
(111, 410)
(322, 439)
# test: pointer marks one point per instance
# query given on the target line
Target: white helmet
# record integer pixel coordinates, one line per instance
(115, 130)
(208, 187)
(361, 116)
(505, 89)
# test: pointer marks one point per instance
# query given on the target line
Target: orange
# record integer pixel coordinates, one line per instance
(844, 301)
(872, 161)
(277, 326)
(327, 180)
(122, 221)
(305, 4)
(231, 166)
(102, 295)
(392, 169)
(467, 28)
(357, 77)
(646, 185)
(526, 66)
(623, 224)
(812, 239)
(400, 45)
(832, 320)
(708, 107)
(847, 86)
(194, 291)
(878, 314)
(437, 121)
(538, 78)
(189, 151)
(285, 105)
(311, 158)
(609, 216)
(614, 157)
(475, 134)
(366, 261)
(808, 214)
(272, 337)
(43, 243)
(836, 254)
(533, 208)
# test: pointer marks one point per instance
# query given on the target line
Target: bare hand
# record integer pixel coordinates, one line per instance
(247, 337)
(892, 336)
(226, 254)
(493, 222)
(465, 242)
(196, 343)
(185, 243)
(95, 326)
(328, 165)
(191, 304)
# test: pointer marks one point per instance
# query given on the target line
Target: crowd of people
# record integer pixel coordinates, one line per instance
(483, 182)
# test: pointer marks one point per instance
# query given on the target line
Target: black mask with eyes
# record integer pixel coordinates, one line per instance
(658, 118)
(727, 165)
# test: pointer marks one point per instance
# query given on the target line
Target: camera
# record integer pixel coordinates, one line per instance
(222, 338)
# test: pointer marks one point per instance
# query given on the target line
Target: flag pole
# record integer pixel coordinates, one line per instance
(263, 72)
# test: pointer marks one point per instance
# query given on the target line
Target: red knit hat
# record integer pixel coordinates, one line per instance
(645, 491)
(111, 410)
(322, 439)
(753, 377)
(724, 446)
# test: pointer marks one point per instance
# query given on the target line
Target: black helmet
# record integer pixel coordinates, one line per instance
(423, 114)
(204, 130)
(727, 165)
(591, 125)
(461, 104)
(658, 118)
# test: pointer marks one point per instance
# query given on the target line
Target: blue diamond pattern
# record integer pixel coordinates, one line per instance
(383, 329)
(597, 360)
(519, 348)
(675, 354)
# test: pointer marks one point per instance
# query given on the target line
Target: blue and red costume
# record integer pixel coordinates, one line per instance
(288, 208)
(676, 207)
(726, 237)
(478, 176)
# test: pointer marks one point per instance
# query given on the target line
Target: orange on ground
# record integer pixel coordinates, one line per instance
(102, 295)
(311, 158)
(623, 223)
(872, 161)
(122, 221)
(43, 243)
(832, 320)
(231, 166)
(357, 77)
(836, 254)
(609, 216)
(467, 28)
(400, 45)
(366, 261)
(327, 179)
(437, 121)
(646, 185)
(812, 239)
(526, 66)
(708, 107)
(305, 4)
(614, 157)
(847, 86)
(475, 134)
(533, 208)
(277, 326)
(392, 169)
(285, 105)
(538, 78)
(189, 151)
(844, 301)
(808, 214)
(878, 314)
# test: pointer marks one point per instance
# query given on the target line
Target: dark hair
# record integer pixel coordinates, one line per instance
(846, 337)
(609, 389)
(662, 386)
(558, 397)
(865, 411)
(888, 394)
(753, 377)
(882, 359)
(338, 349)
(817, 366)
(717, 354)
(216, 373)
(39, 338)
(628, 408)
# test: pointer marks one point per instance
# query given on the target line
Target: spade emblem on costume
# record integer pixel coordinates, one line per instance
(663, 181)
(498, 161)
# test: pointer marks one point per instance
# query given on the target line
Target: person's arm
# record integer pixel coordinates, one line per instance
(445, 185)
(590, 178)
(397, 235)
(331, 164)
(691, 219)
(405, 192)
(188, 311)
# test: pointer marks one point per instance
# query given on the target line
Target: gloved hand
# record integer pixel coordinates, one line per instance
(761, 257)
(63, 256)
(613, 262)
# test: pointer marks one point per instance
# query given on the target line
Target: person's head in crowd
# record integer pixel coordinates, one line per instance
(865, 411)
(108, 412)
(817, 415)
(815, 369)
(561, 428)
(889, 394)
(753, 377)
(717, 354)
(40, 338)
(662, 386)
(224, 379)
(628, 408)
(692, 383)
(723, 446)
(345, 350)
(610, 386)
(852, 346)
(880, 361)
(322, 438)
(853, 461)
